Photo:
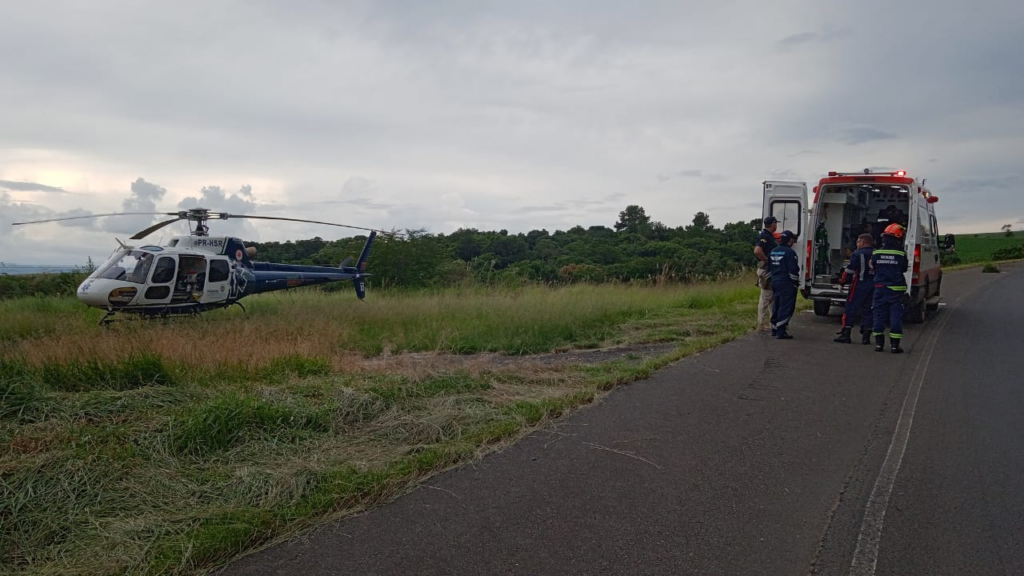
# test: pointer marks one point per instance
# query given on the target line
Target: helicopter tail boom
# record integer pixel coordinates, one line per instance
(361, 263)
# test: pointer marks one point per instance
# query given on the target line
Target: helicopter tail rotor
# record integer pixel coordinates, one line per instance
(360, 285)
(358, 281)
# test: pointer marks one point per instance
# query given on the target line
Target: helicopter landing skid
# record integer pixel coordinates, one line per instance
(239, 304)
(106, 320)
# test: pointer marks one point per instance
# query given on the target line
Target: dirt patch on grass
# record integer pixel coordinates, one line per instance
(483, 361)
(635, 352)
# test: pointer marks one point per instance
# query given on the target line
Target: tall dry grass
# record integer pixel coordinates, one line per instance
(331, 326)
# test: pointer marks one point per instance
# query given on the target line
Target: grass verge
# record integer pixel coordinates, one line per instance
(173, 448)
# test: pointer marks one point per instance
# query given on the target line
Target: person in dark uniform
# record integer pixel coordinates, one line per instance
(889, 264)
(861, 279)
(763, 246)
(785, 275)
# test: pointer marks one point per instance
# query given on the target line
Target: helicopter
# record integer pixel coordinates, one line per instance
(196, 273)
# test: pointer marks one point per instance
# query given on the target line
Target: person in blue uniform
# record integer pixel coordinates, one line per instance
(859, 276)
(763, 246)
(785, 276)
(889, 264)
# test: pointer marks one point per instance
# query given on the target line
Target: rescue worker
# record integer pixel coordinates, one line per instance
(763, 246)
(889, 264)
(859, 276)
(785, 274)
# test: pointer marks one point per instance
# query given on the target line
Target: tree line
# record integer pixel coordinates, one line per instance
(636, 248)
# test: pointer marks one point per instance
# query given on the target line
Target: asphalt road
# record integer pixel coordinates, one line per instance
(759, 457)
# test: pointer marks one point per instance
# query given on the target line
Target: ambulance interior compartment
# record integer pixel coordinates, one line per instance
(843, 213)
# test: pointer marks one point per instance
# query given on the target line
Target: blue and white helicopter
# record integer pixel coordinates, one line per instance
(196, 273)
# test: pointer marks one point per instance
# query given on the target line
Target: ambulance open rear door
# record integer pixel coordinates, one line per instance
(787, 201)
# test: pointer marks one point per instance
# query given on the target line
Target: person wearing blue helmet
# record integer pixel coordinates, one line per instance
(785, 275)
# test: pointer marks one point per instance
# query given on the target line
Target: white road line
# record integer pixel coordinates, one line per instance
(865, 558)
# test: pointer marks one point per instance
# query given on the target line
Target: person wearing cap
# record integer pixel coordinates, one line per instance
(889, 264)
(785, 276)
(763, 246)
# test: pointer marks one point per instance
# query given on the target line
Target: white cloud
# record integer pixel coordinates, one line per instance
(213, 198)
(492, 115)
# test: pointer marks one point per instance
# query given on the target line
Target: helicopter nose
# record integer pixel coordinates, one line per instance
(93, 293)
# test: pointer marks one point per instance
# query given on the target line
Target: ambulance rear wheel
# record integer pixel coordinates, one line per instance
(821, 307)
(915, 313)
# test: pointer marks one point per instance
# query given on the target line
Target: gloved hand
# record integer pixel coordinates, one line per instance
(905, 300)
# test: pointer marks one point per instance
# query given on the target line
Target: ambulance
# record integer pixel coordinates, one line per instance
(846, 205)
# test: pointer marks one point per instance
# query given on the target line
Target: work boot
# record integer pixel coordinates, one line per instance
(865, 336)
(783, 335)
(844, 336)
(880, 343)
(896, 349)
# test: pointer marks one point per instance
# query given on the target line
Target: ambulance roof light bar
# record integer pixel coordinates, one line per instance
(898, 173)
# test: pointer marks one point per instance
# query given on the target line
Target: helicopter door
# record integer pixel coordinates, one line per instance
(218, 280)
(190, 283)
(158, 291)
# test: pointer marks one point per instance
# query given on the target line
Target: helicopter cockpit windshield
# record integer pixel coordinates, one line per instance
(126, 265)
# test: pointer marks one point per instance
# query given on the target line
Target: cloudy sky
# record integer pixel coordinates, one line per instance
(514, 115)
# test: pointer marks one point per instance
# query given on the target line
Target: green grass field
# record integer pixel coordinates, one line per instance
(979, 248)
(170, 448)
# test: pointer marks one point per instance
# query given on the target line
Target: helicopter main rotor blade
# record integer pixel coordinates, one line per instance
(95, 216)
(154, 228)
(227, 216)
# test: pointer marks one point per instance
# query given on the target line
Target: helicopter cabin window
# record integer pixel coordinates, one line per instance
(164, 271)
(220, 271)
(158, 292)
(127, 265)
